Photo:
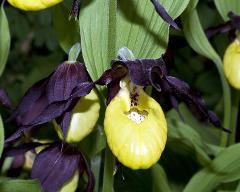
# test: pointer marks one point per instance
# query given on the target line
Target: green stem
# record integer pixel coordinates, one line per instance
(234, 113)
(109, 165)
(96, 168)
(227, 104)
(109, 162)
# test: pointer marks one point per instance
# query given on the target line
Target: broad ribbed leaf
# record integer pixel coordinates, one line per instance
(1, 136)
(224, 168)
(136, 26)
(66, 30)
(197, 39)
(19, 185)
(225, 6)
(97, 29)
(141, 29)
(4, 40)
(180, 134)
(160, 182)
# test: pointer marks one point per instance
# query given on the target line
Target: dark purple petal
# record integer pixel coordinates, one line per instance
(82, 90)
(112, 75)
(222, 28)
(111, 78)
(66, 78)
(164, 15)
(34, 112)
(75, 9)
(215, 121)
(140, 69)
(193, 100)
(64, 122)
(18, 162)
(4, 99)
(28, 101)
(20, 149)
(51, 112)
(91, 179)
(55, 165)
(19, 133)
(235, 20)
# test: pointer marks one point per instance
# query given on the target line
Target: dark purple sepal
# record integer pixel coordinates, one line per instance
(17, 134)
(5, 100)
(235, 20)
(55, 165)
(11, 151)
(75, 9)
(222, 28)
(64, 122)
(111, 79)
(140, 69)
(27, 104)
(194, 101)
(82, 90)
(91, 180)
(164, 15)
(64, 80)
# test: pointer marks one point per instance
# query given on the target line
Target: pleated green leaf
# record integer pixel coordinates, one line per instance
(142, 30)
(197, 39)
(224, 168)
(160, 181)
(67, 31)
(225, 6)
(4, 39)
(1, 136)
(19, 185)
(97, 28)
(107, 26)
(182, 136)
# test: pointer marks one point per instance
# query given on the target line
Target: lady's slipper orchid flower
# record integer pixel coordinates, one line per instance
(53, 98)
(33, 5)
(231, 63)
(232, 54)
(57, 166)
(138, 135)
(83, 118)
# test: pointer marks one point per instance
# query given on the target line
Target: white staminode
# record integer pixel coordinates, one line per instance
(136, 117)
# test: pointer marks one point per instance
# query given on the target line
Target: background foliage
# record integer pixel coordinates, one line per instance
(197, 157)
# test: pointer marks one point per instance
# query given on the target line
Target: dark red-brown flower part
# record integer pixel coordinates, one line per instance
(153, 72)
(54, 165)
(52, 98)
(4, 99)
(228, 27)
(164, 14)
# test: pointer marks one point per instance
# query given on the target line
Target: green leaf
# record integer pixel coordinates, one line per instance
(224, 168)
(140, 28)
(106, 27)
(197, 39)
(97, 28)
(66, 30)
(4, 39)
(1, 136)
(19, 185)
(225, 6)
(180, 134)
(159, 177)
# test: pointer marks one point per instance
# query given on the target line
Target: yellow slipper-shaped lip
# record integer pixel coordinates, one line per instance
(231, 62)
(136, 129)
(33, 5)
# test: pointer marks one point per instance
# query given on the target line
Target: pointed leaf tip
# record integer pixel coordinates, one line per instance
(164, 14)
